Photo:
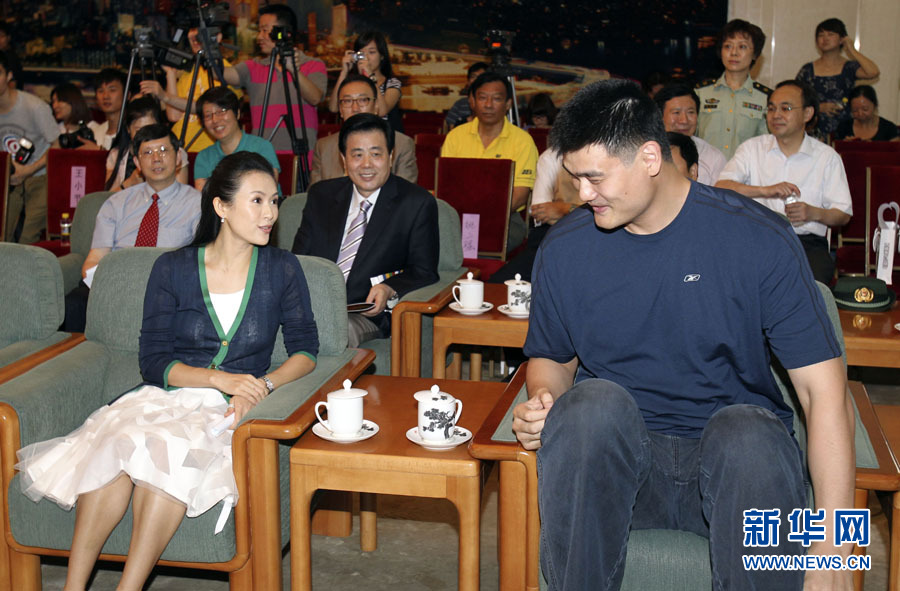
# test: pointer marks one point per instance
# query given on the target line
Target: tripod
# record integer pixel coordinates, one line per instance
(143, 49)
(211, 58)
(299, 146)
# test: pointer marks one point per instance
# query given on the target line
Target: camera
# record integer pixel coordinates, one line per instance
(358, 56)
(214, 14)
(499, 48)
(283, 38)
(26, 149)
(72, 140)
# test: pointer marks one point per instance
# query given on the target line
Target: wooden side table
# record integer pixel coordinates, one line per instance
(870, 337)
(493, 329)
(389, 463)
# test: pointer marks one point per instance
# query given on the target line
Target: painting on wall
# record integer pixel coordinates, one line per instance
(553, 47)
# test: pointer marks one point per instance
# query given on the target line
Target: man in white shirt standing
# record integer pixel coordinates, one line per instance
(794, 175)
(679, 105)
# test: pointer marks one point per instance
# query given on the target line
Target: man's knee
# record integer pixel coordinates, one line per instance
(748, 439)
(593, 407)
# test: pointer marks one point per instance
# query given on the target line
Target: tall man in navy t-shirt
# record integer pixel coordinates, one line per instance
(651, 397)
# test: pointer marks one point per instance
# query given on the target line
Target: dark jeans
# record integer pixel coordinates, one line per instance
(819, 257)
(602, 474)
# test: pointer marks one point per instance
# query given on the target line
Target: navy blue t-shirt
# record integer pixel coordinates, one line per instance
(681, 318)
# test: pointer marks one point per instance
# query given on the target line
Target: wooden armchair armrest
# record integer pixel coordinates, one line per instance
(28, 363)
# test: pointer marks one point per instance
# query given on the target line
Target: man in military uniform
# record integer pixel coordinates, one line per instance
(733, 107)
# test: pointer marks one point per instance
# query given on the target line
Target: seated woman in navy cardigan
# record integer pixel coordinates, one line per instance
(211, 313)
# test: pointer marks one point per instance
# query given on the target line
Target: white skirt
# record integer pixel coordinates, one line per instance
(161, 439)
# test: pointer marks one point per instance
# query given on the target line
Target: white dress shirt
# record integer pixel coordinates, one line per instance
(816, 169)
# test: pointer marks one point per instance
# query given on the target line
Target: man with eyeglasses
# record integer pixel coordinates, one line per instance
(794, 174)
(219, 108)
(356, 94)
(158, 212)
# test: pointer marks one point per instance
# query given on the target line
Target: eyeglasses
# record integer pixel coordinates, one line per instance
(362, 101)
(162, 151)
(784, 108)
(210, 115)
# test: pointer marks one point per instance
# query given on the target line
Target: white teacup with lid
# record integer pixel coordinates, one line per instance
(438, 413)
(345, 411)
(469, 293)
(518, 295)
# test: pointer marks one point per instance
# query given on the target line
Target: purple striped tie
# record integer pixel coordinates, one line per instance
(351, 241)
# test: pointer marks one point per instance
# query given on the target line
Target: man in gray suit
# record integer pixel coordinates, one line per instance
(357, 95)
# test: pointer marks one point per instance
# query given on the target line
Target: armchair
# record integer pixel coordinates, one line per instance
(82, 234)
(656, 559)
(401, 355)
(42, 404)
(32, 308)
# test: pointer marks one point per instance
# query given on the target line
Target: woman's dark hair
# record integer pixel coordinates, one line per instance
(542, 104)
(741, 28)
(864, 91)
(223, 183)
(363, 122)
(145, 106)
(220, 96)
(381, 45)
(832, 25)
(70, 94)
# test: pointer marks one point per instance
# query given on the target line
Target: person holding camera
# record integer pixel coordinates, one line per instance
(371, 59)
(174, 96)
(279, 21)
(27, 130)
(72, 114)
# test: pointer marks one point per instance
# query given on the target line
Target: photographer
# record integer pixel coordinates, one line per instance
(73, 115)
(174, 97)
(370, 58)
(25, 120)
(251, 75)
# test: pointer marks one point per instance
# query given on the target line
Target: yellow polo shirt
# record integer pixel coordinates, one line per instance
(512, 143)
(182, 88)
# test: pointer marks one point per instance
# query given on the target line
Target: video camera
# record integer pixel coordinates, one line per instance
(165, 52)
(283, 38)
(499, 48)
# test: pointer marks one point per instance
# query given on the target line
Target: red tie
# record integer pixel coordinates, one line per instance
(149, 229)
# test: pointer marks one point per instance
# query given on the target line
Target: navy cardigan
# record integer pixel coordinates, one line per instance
(180, 324)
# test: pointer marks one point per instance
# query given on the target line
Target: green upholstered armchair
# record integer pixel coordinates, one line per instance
(656, 559)
(408, 351)
(56, 398)
(403, 353)
(290, 213)
(31, 308)
(82, 234)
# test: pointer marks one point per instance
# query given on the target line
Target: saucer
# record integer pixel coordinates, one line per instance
(460, 435)
(368, 430)
(485, 306)
(504, 309)
(897, 326)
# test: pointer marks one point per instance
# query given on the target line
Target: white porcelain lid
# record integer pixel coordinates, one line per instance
(348, 392)
(516, 281)
(434, 394)
(470, 278)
